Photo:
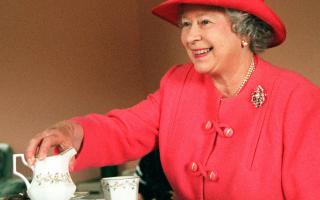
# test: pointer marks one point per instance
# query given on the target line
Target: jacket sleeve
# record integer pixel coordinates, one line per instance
(301, 157)
(121, 134)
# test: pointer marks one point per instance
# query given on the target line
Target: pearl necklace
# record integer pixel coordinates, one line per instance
(246, 78)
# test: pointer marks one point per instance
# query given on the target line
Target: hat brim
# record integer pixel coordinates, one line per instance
(169, 11)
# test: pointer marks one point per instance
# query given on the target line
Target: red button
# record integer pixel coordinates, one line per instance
(194, 167)
(228, 132)
(213, 176)
(208, 125)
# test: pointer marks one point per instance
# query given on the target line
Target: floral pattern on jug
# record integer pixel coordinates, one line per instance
(52, 178)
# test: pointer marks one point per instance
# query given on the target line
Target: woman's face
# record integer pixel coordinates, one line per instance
(208, 39)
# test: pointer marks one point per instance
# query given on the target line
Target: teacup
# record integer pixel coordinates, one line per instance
(120, 187)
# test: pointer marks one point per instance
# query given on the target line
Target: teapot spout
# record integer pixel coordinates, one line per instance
(15, 172)
(68, 153)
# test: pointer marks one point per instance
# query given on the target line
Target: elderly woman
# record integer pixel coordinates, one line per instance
(228, 125)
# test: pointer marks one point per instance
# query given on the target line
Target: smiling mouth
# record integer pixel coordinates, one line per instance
(202, 52)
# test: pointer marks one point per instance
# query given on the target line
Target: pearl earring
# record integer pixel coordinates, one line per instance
(244, 43)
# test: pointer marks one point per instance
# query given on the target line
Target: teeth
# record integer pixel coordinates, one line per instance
(202, 51)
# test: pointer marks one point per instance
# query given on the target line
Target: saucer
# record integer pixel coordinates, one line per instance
(79, 195)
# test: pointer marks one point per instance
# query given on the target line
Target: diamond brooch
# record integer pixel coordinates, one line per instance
(258, 97)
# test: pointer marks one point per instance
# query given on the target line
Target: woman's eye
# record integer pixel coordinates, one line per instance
(185, 24)
(205, 22)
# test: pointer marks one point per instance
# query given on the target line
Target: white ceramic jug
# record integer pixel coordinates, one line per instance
(51, 179)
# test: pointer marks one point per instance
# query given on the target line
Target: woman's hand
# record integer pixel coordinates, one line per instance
(174, 196)
(62, 135)
(140, 197)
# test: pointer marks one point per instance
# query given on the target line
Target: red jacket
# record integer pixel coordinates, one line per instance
(216, 148)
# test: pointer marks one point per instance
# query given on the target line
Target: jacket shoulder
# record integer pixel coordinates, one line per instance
(176, 75)
(295, 81)
(288, 79)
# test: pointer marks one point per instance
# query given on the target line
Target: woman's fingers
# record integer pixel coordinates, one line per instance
(48, 141)
(63, 135)
(41, 144)
(32, 149)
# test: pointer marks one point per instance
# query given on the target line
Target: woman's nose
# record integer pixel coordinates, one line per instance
(194, 34)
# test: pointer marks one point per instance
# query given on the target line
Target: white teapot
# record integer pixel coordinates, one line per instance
(51, 179)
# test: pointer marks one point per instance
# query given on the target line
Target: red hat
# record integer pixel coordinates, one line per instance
(169, 11)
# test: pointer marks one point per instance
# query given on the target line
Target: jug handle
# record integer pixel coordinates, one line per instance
(15, 172)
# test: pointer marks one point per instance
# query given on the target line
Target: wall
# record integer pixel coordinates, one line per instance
(160, 45)
(65, 58)
(300, 52)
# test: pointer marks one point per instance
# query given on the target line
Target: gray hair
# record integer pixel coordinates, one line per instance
(259, 33)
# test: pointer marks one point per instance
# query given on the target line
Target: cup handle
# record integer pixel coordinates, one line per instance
(15, 172)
